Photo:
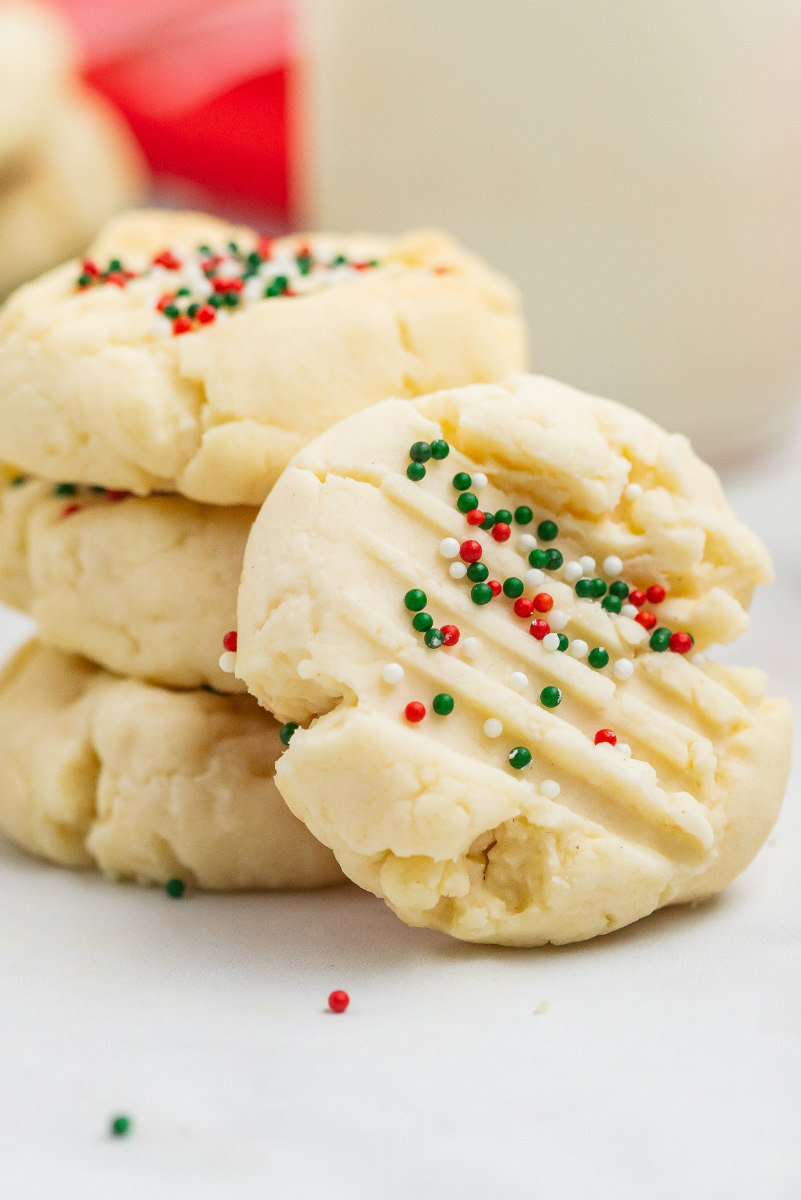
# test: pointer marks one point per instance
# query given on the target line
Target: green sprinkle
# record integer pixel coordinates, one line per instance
(659, 639)
(550, 697)
(231, 299)
(277, 288)
(233, 248)
(612, 603)
(304, 262)
(488, 522)
(584, 588)
(84, 280)
(254, 259)
(193, 310)
(524, 515)
(286, 731)
(503, 516)
(477, 572)
(553, 559)
(339, 261)
(216, 300)
(420, 452)
(204, 249)
(183, 291)
(547, 531)
(598, 588)
(442, 704)
(175, 888)
(434, 639)
(538, 558)
(619, 589)
(119, 1126)
(115, 264)
(440, 449)
(64, 489)
(481, 593)
(467, 502)
(563, 641)
(513, 587)
(416, 471)
(18, 480)
(519, 757)
(415, 599)
(422, 622)
(598, 657)
(461, 481)
(172, 311)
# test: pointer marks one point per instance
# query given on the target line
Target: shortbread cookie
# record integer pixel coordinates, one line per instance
(36, 58)
(83, 168)
(483, 606)
(188, 355)
(146, 783)
(144, 586)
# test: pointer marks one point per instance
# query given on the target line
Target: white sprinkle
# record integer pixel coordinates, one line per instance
(572, 571)
(550, 789)
(587, 564)
(457, 570)
(493, 727)
(449, 547)
(526, 543)
(578, 648)
(161, 327)
(518, 680)
(479, 482)
(469, 647)
(557, 619)
(228, 661)
(253, 289)
(624, 748)
(551, 641)
(612, 565)
(629, 610)
(623, 668)
(534, 577)
(698, 660)
(633, 491)
(392, 673)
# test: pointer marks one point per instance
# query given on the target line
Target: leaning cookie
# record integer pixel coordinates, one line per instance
(188, 355)
(37, 56)
(489, 607)
(146, 783)
(82, 169)
(144, 586)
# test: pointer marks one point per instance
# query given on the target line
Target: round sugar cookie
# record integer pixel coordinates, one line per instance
(83, 168)
(36, 58)
(480, 607)
(144, 586)
(145, 783)
(188, 355)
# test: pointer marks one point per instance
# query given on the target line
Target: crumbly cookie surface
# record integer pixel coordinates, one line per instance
(184, 354)
(146, 783)
(512, 733)
(144, 586)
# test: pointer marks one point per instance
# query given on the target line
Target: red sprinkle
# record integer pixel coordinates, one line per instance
(543, 602)
(606, 735)
(181, 325)
(206, 314)
(636, 597)
(655, 593)
(168, 260)
(475, 516)
(229, 640)
(450, 635)
(442, 270)
(88, 267)
(539, 629)
(115, 496)
(470, 551)
(523, 607)
(264, 247)
(414, 711)
(117, 278)
(495, 586)
(163, 302)
(680, 642)
(338, 1001)
(227, 285)
(646, 619)
(361, 266)
(70, 509)
(501, 532)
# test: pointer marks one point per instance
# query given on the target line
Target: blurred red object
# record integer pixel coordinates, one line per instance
(203, 84)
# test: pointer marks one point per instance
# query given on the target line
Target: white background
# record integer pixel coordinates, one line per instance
(666, 1067)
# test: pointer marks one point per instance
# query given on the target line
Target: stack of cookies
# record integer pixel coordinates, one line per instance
(150, 396)
(67, 161)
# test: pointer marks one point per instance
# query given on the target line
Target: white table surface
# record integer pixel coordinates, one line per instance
(666, 1067)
